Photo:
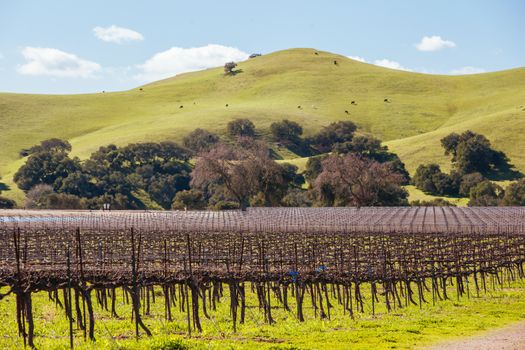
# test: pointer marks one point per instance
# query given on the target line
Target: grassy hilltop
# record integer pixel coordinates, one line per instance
(420, 110)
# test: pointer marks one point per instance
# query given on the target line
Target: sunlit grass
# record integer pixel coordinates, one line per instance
(421, 108)
(405, 328)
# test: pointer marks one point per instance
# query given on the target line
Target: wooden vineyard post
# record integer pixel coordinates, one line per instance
(85, 291)
(331, 256)
(69, 299)
(135, 298)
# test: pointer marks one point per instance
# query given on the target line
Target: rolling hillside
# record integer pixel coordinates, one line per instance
(303, 85)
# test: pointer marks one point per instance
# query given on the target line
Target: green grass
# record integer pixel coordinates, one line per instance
(405, 328)
(416, 194)
(422, 108)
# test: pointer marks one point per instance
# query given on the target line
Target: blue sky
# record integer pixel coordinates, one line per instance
(88, 46)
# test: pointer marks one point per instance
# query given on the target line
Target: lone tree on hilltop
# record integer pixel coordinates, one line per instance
(229, 67)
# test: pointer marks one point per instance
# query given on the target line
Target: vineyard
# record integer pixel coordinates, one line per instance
(299, 259)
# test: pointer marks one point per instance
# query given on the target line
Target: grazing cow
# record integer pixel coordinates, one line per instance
(317, 53)
(353, 102)
(346, 112)
(299, 107)
(335, 62)
(181, 106)
(386, 100)
(226, 105)
(141, 89)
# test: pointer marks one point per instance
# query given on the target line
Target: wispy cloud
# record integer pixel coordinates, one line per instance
(57, 63)
(467, 70)
(179, 60)
(434, 43)
(118, 35)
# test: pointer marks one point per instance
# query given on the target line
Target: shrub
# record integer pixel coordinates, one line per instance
(190, 199)
(438, 202)
(486, 194)
(339, 132)
(287, 132)
(515, 193)
(469, 181)
(200, 140)
(241, 127)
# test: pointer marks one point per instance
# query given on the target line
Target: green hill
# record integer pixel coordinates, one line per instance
(420, 108)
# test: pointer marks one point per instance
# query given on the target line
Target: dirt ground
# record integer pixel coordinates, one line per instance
(508, 338)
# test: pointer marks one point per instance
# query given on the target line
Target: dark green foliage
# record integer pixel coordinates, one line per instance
(333, 134)
(111, 175)
(297, 198)
(485, 194)
(51, 145)
(515, 194)
(314, 167)
(370, 147)
(116, 201)
(200, 140)
(430, 179)
(43, 197)
(291, 176)
(241, 128)
(398, 166)
(6, 203)
(469, 181)
(225, 205)
(472, 152)
(79, 184)
(438, 202)
(367, 146)
(46, 165)
(189, 199)
(286, 132)
(241, 173)
(160, 169)
(423, 178)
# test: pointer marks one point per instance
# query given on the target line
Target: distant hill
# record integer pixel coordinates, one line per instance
(409, 111)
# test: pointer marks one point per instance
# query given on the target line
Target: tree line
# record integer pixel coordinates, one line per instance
(207, 171)
(474, 164)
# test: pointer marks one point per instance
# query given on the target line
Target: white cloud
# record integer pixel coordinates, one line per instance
(357, 58)
(57, 63)
(114, 34)
(434, 43)
(179, 60)
(467, 70)
(390, 64)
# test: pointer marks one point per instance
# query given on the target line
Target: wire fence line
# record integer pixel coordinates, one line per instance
(405, 254)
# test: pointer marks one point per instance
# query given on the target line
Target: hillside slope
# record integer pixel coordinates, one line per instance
(420, 108)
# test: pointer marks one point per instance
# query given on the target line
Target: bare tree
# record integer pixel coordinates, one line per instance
(229, 67)
(243, 171)
(358, 181)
